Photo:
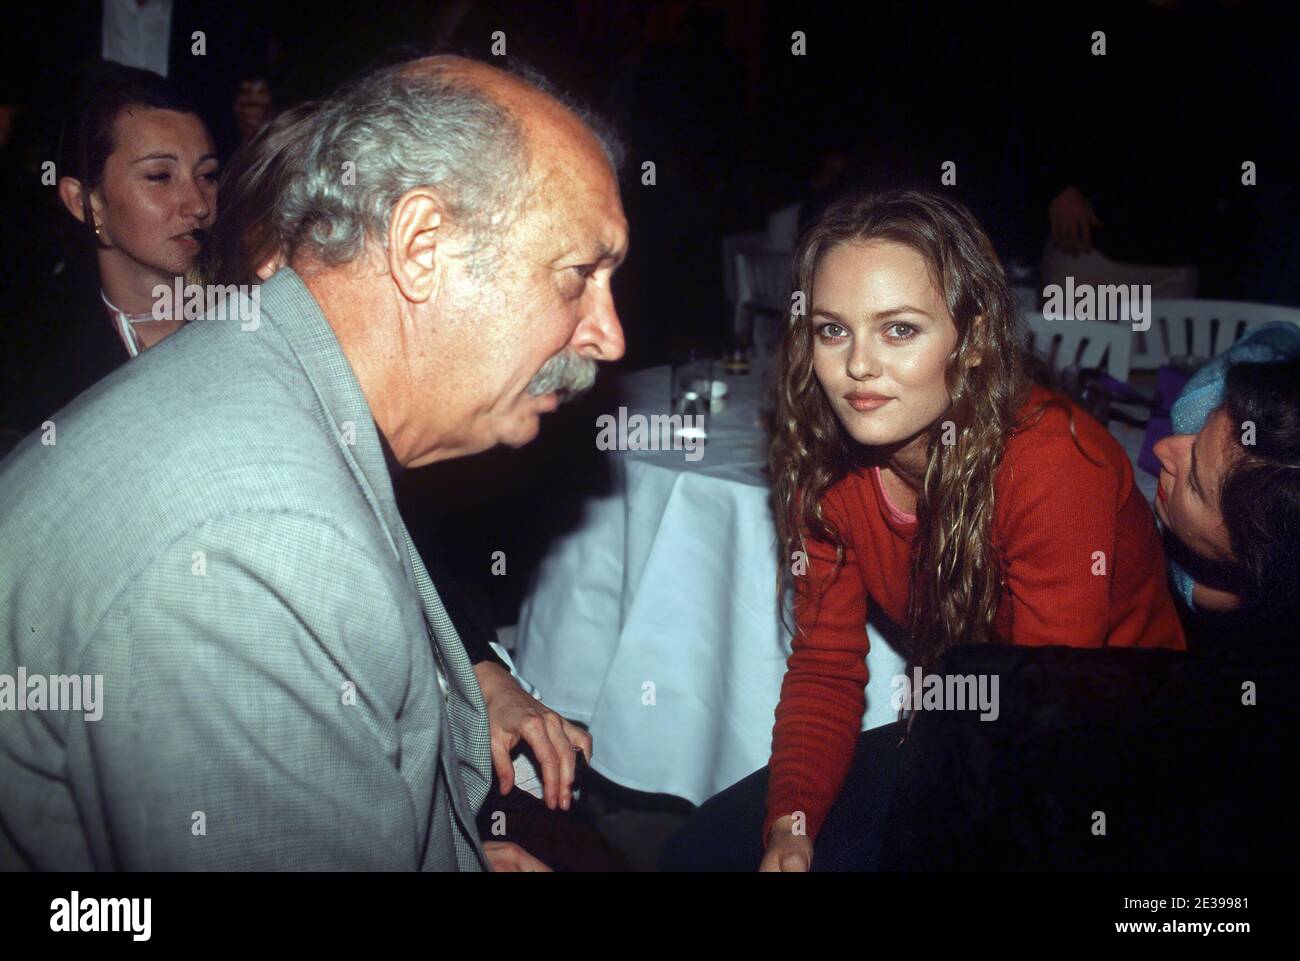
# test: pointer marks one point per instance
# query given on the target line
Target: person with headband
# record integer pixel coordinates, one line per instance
(1229, 488)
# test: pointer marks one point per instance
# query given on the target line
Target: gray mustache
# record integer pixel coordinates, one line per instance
(567, 374)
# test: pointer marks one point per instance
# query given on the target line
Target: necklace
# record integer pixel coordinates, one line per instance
(123, 324)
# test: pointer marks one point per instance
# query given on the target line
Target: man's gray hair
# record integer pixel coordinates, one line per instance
(400, 128)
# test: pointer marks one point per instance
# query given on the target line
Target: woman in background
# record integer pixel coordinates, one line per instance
(139, 173)
(918, 470)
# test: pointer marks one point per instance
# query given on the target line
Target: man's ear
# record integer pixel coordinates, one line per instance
(414, 233)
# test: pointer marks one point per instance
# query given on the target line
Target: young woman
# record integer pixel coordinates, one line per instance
(139, 172)
(919, 474)
(138, 178)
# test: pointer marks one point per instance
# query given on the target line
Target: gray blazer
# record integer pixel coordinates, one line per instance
(213, 531)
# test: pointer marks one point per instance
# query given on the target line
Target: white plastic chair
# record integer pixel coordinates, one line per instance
(763, 285)
(783, 228)
(1201, 328)
(732, 244)
(1082, 343)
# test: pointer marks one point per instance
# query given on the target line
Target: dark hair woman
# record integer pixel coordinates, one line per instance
(918, 471)
(246, 245)
(1230, 488)
(138, 171)
(138, 177)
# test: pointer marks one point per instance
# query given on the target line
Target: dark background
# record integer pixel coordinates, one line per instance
(737, 125)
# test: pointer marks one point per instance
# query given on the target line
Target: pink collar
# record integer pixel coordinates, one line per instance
(898, 515)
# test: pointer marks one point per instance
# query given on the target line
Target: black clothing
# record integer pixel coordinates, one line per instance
(725, 834)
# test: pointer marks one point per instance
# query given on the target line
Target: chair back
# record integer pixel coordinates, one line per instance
(763, 282)
(1200, 328)
(1082, 343)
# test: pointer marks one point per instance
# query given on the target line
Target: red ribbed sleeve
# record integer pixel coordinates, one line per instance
(822, 699)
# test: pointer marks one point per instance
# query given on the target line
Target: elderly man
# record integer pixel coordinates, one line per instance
(211, 538)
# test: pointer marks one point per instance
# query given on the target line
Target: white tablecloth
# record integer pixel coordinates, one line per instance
(655, 621)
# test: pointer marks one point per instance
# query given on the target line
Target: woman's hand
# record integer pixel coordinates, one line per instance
(787, 851)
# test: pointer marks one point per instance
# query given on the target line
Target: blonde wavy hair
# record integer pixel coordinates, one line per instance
(956, 581)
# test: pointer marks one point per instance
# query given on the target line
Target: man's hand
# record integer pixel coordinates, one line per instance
(1072, 220)
(514, 715)
(787, 851)
(506, 856)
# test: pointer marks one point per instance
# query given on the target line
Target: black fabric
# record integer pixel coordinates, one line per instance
(49, 45)
(470, 609)
(1109, 126)
(1160, 743)
(465, 600)
(725, 833)
(562, 840)
(56, 346)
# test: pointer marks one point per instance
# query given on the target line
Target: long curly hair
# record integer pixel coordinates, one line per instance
(956, 581)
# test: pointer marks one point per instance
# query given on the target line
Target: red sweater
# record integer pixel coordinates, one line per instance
(1054, 509)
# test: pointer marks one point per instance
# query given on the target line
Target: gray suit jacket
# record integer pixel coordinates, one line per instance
(213, 530)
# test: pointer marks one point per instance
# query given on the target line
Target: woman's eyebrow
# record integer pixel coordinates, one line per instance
(157, 156)
(905, 309)
(878, 315)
